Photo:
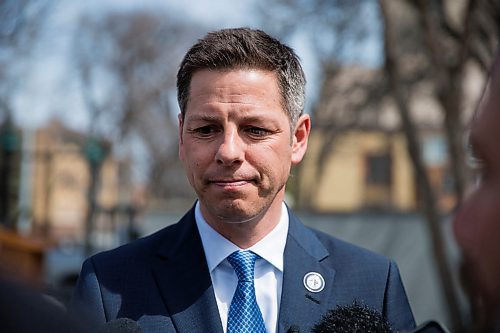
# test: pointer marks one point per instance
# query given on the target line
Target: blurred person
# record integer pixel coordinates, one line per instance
(239, 260)
(477, 223)
(23, 306)
(24, 310)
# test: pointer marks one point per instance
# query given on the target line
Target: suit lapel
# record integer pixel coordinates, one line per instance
(182, 276)
(303, 255)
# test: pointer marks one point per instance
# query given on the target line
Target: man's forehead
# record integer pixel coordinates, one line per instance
(240, 115)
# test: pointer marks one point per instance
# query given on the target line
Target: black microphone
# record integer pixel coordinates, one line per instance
(121, 325)
(352, 319)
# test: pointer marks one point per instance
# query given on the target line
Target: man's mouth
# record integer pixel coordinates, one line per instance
(231, 182)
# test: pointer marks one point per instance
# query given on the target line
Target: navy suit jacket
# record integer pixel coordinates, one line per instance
(162, 281)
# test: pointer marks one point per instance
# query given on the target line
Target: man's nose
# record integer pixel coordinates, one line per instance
(231, 150)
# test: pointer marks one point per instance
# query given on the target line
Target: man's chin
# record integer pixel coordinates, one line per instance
(234, 211)
(235, 215)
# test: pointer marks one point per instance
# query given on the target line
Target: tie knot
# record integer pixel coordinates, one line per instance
(243, 263)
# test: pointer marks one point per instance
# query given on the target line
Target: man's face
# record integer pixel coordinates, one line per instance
(236, 145)
(477, 224)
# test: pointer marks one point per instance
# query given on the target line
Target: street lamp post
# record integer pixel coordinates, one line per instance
(95, 154)
(9, 144)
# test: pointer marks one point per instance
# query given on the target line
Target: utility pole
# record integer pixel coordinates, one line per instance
(9, 144)
(95, 154)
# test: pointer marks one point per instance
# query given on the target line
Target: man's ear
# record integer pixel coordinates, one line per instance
(181, 126)
(300, 137)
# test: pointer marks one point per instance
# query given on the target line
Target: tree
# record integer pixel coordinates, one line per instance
(21, 24)
(333, 30)
(127, 63)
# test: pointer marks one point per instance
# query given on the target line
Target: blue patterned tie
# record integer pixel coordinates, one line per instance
(244, 313)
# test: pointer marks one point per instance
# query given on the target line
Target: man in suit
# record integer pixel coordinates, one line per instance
(241, 128)
(477, 223)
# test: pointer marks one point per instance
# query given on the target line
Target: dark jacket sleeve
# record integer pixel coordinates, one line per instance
(87, 298)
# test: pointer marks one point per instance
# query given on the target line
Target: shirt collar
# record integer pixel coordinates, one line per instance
(217, 248)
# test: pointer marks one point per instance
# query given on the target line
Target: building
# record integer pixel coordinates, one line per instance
(357, 158)
(61, 177)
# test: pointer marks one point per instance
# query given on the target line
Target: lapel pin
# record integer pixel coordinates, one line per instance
(314, 282)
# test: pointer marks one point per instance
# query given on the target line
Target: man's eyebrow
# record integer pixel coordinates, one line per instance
(203, 117)
(253, 118)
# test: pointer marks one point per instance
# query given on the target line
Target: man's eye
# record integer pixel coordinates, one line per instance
(257, 131)
(205, 130)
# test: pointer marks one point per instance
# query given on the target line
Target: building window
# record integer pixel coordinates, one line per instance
(378, 181)
(378, 170)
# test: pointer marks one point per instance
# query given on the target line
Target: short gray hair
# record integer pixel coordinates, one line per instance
(244, 48)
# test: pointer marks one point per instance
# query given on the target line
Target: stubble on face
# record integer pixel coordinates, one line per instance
(235, 146)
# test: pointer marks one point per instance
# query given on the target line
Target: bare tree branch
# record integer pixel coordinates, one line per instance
(127, 63)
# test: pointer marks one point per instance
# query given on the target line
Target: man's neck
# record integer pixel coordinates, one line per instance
(247, 233)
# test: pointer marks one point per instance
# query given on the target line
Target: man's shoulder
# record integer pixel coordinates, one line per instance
(355, 265)
(143, 248)
(342, 248)
(351, 259)
(327, 245)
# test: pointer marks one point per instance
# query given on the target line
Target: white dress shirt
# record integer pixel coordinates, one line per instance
(268, 270)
